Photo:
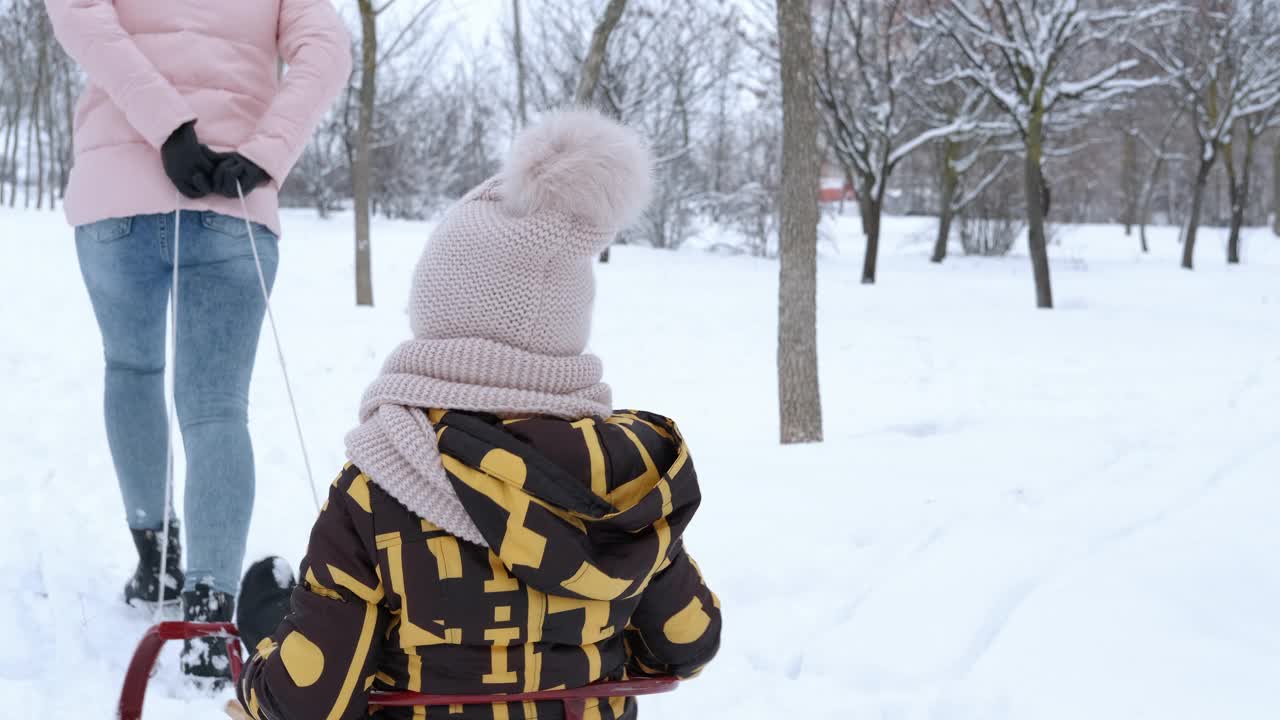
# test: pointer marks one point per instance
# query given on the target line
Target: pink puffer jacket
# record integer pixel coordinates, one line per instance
(156, 64)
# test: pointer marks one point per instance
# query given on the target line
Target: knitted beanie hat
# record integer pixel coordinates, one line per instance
(512, 262)
(500, 306)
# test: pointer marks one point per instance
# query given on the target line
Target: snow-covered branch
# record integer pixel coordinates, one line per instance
(1031, 58)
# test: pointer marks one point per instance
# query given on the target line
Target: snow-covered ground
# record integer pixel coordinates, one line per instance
(1016, 514)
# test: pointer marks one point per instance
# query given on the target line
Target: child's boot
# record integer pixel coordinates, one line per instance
(264, 600)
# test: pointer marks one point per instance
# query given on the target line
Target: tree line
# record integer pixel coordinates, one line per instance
(1112, 110)
(38, 89)
(996, 116)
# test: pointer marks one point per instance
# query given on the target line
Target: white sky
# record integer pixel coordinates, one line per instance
(473, 19)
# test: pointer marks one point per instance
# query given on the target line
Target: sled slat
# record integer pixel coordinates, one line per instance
(134, 691)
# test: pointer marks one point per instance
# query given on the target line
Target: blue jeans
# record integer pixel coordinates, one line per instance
(127, 265)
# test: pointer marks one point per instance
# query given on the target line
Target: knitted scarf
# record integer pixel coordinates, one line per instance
(395, 445)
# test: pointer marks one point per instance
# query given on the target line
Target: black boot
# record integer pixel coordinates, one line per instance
(205, 659)
(144, 586)
(264, 600)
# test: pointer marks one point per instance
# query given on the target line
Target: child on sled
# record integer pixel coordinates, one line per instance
(500, 528)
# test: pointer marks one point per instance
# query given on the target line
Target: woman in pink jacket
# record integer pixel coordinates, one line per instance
(183, 105)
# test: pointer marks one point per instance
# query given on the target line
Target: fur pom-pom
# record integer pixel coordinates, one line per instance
(582, 163)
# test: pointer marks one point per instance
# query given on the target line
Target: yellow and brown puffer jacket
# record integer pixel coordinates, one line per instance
(586, 579)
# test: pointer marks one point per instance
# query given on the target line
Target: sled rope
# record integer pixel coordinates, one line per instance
(275, 334)
(172, 399)
(171, 412)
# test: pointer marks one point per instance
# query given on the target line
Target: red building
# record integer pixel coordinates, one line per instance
(833, 187)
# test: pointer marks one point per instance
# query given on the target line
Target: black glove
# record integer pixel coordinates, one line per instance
(264, 600)
(233, 167)
(187, 162)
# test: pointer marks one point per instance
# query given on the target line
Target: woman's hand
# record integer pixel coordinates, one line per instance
(236, 167)
(188, 162)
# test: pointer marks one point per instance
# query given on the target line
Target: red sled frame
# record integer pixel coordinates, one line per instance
(134, 691)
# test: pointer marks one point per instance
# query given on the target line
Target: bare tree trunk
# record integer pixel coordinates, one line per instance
(55, 143)
(799, 400)
(13, 155)
(1144, 215)
(1237, 212)
(944, 235)
(362, 172)
(1035, 191)
(1197, 203)
(1130, 175)
(10, 139)
(36, 106)
(69, 126)
(1275, 188)
(721, 153)
(1246, 188)
(522, 113)
(26, 167)
(1239, 199)
(946, 211)
(872, 207)
(594, 61)
(1149, 191)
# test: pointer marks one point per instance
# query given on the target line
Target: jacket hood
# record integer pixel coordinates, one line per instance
(592, 508)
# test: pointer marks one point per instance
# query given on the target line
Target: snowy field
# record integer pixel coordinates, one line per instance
(1017, 514)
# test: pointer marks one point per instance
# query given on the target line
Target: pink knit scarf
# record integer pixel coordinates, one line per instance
(395, 445)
